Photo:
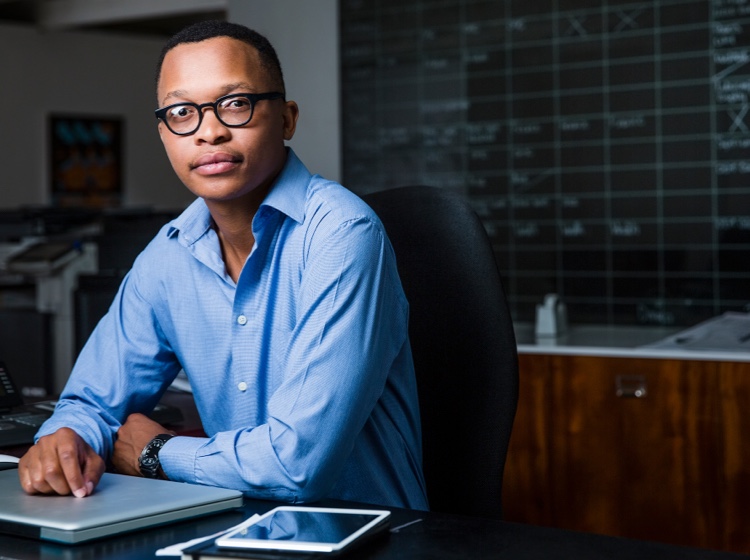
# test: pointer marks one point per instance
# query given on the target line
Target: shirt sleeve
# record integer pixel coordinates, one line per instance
(351, 324)
(124, 367)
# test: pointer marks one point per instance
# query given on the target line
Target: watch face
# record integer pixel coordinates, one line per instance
(149, 459)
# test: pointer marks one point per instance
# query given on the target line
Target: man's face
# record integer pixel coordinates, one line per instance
(219, 163)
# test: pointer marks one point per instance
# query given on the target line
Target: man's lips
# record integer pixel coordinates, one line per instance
(218, 162)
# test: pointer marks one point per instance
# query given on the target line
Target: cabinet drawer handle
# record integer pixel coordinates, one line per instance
(631, 386)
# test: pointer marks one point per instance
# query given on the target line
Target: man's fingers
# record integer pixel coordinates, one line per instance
(41, 479)
(72, 479)
(32, 483)
(61, 463)
(93, 469)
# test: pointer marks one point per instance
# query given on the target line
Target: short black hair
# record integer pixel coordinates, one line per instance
(209, 29)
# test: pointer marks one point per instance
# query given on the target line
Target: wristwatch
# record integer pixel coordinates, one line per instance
(149, 459)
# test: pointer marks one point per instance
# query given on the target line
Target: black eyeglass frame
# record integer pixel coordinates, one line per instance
(161, 113)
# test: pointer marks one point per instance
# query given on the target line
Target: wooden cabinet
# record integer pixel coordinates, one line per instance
(655, 449)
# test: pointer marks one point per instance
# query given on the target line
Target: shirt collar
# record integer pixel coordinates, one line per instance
(287, 195)
(289, 192)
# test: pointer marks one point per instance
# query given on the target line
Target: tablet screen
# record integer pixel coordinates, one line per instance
(305, 529)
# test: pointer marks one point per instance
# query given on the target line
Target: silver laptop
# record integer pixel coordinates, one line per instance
(119, 504)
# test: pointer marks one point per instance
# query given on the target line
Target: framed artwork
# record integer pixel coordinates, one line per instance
(86, 161)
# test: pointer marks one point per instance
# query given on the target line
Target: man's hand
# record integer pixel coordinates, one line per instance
(60, 463)
(137, 431)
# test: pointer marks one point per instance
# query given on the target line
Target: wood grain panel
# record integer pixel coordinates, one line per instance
(673, 466)
(527, 488)
(734, 467)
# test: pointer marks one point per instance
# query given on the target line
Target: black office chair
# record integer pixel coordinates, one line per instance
(463, 343)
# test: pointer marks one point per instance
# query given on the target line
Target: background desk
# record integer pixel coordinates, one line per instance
(587, 454)
(436, 536)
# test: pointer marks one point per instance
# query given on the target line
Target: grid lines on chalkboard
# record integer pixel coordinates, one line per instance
(607, 141)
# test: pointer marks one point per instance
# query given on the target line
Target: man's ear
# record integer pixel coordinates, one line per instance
(162, 129)
(290, 116)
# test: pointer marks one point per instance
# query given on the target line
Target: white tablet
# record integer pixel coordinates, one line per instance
(306, 529)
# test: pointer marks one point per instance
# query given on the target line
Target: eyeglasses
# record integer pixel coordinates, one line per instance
(232, 110)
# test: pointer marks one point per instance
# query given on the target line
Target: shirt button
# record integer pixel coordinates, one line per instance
(242, 386)
(242, 319)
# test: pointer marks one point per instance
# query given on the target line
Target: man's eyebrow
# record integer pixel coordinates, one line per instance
(244, 86)
(225, 90)
(173, 94)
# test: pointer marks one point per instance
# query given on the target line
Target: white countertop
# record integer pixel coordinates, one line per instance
(616, 341)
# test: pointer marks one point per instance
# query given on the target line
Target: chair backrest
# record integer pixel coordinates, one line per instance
(463, 343)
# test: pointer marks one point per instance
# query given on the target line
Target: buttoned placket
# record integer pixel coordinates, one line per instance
(241, 290)
(241, 320)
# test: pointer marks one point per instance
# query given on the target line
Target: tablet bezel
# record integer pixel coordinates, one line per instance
(229, 540)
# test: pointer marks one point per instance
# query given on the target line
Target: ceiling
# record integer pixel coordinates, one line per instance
(140, 17)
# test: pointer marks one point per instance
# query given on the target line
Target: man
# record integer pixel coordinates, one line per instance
(277, 293)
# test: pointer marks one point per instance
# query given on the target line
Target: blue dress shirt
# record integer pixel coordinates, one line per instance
(302, 371)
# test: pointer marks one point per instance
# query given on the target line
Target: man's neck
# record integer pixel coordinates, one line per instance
(236, 246)
(233, 223)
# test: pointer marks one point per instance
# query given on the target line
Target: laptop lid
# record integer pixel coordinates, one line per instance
(119, 504)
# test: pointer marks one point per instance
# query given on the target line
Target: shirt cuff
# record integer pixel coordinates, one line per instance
(177, 458)
(91, 433)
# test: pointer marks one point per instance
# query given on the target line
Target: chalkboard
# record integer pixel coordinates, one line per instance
(605, 145)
